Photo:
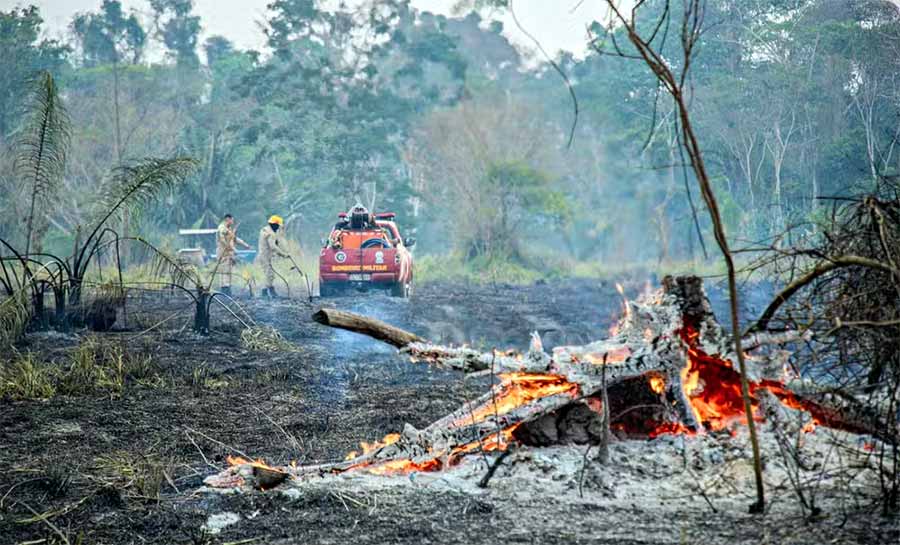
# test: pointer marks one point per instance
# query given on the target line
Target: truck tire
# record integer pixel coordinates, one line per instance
(400, 289)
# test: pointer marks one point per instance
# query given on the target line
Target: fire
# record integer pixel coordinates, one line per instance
(657, 384)
(388, 439)
(514, 390)
(517, 389)
(626, 309)
(713, 387)
(239, 461)
(400, 467)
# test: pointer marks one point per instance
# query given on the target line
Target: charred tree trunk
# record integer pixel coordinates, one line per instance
(367, 326)
(201, 312)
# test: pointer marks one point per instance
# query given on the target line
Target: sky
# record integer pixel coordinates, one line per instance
(557, 24)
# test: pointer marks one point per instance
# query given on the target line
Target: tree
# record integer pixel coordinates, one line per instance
(673, 78)
(24, 54)
(481, 160)
(178, 30)
(109, 36)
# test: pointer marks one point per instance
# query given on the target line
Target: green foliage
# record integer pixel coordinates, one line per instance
(135, 184)
(24, 53)
(178, 29)
(479, 270)
(109, 36)
(444, 121)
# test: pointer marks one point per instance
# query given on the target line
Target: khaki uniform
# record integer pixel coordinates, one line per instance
(268, 249)
(226, 239)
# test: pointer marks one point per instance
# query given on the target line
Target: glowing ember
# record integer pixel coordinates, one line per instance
(657, 384)
(673, 428)
(400, 467)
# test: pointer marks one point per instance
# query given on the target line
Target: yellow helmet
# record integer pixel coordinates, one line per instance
(277, 220)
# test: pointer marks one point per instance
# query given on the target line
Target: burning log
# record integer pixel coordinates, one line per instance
(667, 369)
(367, 326)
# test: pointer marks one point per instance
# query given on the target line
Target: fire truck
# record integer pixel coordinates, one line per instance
(364, 252)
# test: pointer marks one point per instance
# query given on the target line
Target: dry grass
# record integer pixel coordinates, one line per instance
(137, 476)
(15, 313)
(265, 339)
(26, 378)
(93, 367)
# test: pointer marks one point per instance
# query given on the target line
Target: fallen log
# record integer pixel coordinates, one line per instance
(365, 325)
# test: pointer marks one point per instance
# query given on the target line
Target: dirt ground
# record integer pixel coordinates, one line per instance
(126, 467)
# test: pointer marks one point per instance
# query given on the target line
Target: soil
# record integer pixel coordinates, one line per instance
(62, 458)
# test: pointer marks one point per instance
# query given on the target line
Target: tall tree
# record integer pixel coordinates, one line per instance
(23, 53)
(178, 29)
(109, 37)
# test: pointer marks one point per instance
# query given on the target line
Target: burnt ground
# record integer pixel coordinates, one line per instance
(124, 466)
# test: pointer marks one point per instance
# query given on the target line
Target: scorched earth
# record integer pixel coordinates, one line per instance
(129, 466)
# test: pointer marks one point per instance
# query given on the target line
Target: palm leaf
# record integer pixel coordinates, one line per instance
(178, 273)
(41, 145)
(134, 184)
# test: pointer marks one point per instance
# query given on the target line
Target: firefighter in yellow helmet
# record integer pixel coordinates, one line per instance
(226, 241)
(268, 249)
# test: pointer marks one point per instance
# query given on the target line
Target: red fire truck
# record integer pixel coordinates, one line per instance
(364, 252)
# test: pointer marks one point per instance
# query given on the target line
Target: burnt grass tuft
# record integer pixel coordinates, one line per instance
(120, 429)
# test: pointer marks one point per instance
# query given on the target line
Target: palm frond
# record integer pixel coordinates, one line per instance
(41, 145)
(134, 184)
(177, 272)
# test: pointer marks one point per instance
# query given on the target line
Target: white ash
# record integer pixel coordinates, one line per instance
(216, 522)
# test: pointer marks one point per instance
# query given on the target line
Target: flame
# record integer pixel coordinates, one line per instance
(514, 390)
(616, 327)
(657, 384)
(517, 389)
(400, 467)
(713, 388)
(388, 439)
(239, 461)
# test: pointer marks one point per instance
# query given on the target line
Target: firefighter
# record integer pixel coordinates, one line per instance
(226, 239)
(268, 249)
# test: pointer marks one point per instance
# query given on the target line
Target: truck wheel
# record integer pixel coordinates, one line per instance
(400, 289)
